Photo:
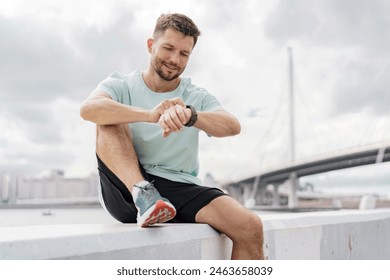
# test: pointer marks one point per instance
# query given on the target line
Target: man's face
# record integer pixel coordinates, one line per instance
(170, 53)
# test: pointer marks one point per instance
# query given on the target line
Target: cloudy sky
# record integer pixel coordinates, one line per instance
(54, 53)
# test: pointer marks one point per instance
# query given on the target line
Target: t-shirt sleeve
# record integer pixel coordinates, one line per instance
(113, 85)
(210, 103)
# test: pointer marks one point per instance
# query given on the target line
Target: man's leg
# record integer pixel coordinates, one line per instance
(115, 148)
(242, 226)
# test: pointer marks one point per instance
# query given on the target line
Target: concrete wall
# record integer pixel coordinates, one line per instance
(350, 234)
(113, 241)
(336, 235)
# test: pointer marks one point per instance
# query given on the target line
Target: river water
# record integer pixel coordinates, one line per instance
(48, 216)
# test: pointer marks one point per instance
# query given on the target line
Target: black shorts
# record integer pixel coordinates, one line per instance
(188, 199)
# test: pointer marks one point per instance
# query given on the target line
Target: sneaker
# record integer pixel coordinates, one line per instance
(152, 207)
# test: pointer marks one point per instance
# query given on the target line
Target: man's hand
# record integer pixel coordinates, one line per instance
(174, 119)
(159, 110)
(171, 115)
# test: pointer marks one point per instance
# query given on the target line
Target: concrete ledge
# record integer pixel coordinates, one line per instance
(346, 234)
(113, 241)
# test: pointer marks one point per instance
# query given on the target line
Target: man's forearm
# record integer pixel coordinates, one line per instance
(218, 124)
(104, 111)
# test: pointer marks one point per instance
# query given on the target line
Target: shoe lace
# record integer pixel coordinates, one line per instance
(149, 193)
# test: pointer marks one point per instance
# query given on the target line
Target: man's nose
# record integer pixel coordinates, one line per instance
(175, 58)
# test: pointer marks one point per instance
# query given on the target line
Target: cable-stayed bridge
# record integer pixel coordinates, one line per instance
(255, 186)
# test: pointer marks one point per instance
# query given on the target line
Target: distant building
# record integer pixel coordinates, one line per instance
(14, 188)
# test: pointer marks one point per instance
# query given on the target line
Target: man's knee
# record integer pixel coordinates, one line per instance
(113, 138)
(251, 229)
(112, 129)
(255, 224)
(112, 132)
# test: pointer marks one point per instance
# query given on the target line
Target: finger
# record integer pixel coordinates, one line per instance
(166, 122)
(165, 129)
(166, 134)
(171, 120)
(177, 116)
(163, 125)
(178, 101)
(165, 105)
(181, 114)
(169, 103)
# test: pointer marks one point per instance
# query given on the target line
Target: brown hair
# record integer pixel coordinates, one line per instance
(179, 22)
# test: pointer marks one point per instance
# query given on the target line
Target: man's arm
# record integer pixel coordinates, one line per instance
(102, 110)
(218, 124)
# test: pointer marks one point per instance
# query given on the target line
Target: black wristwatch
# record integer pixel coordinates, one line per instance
(194, 116)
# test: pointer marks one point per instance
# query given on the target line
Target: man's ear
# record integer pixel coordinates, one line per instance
(150, 45)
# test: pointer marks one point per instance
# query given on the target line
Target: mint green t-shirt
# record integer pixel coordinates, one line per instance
(176, 156)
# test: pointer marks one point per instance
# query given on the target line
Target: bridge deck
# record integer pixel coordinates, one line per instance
(336, 161)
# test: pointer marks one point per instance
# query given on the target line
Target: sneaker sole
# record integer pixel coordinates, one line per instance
(160, 213)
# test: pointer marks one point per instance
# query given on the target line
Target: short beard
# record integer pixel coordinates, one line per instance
(166, 77)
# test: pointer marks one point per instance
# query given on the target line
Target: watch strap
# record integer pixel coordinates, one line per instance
(194, 116)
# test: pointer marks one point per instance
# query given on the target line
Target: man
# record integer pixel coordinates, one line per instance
(147, 143)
